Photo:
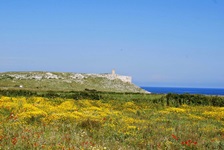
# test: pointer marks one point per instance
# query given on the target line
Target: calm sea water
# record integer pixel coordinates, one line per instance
(204, 91)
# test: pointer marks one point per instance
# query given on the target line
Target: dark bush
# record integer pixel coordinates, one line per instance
(179, 99)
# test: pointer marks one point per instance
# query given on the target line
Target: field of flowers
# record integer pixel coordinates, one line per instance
(57, 123)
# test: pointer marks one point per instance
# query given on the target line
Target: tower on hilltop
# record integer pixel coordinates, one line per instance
(121, 77)
(113, 72)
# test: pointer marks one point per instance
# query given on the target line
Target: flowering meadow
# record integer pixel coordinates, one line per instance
(68, 124)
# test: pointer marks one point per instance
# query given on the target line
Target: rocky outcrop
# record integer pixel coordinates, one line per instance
(68, 81)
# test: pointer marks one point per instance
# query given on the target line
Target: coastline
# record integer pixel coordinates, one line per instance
(184, 90)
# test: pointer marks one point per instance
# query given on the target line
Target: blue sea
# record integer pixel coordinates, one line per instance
(181, 90)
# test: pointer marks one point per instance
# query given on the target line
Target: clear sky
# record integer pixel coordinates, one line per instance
(157, 42)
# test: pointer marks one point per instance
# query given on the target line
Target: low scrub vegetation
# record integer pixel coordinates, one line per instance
(170, 99)
(58, 81)
(34, 122)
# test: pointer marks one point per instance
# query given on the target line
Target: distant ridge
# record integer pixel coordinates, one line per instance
(64, 81)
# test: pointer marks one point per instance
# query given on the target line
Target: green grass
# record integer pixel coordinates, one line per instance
(64, 83)
(60, 123)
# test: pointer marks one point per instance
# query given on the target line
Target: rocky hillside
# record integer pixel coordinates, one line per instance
(66, 81)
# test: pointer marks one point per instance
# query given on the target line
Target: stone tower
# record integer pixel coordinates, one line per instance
(113, 72)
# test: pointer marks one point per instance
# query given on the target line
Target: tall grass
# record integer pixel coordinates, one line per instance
(62, 123)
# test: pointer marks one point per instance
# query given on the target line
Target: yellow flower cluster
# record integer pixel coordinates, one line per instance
(90, 124)
(45, 110)
(216, 113)
(177, 110)
(110, 114)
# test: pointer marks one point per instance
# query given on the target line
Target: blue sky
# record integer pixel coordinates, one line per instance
(157, 42)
